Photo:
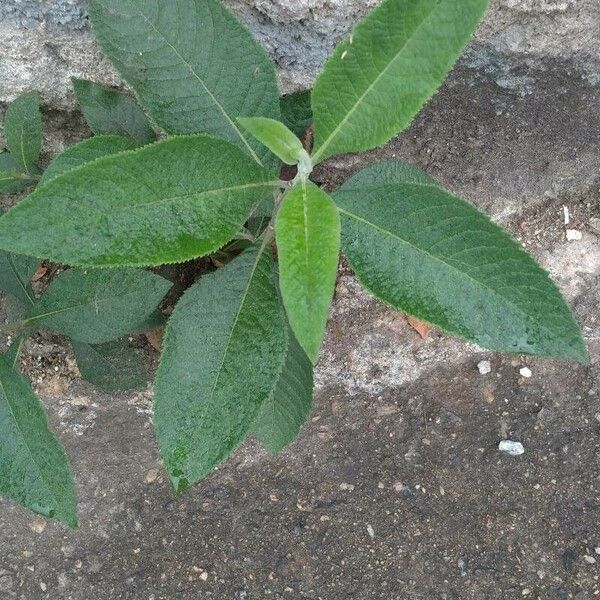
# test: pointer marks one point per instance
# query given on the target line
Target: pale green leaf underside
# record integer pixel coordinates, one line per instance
(377, 80)
(223, 350)
(87, 151)
(193, 66)
(276, 137)
(23, 130)
(112, 366)
(308, 244)
(98, 305)
(167, 202)
(34, 470)
(435, 256)
(111, 112)
(280, 418)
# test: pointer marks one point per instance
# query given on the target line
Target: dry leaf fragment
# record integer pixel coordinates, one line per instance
(420, 327)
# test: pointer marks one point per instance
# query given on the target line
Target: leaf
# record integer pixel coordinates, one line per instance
(435, 256)
(223, 351)
(422, 328)
(308, 246)
(109, 111)
(12, 178)
(280, 418)
(378, 80)
(87, 151)
(13, 353)
(168, 202)
(23, 130)
(111, 366)
(98, 305)
(34, 470)
(193, 66)
(16, 272)
(276, 137)
(296, 111)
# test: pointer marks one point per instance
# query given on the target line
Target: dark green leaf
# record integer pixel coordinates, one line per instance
(23, 130)
(87, 151)
(12, 178)
(280, 418)
(394, 61)
(109, 111)
(296, 111)
(34, 470)
(168, 202)
(98, 305)
(192, 65)
(223, 350)
(13, 353)
(435, 256)
(16, 272)
(112, 366)
(308, 246)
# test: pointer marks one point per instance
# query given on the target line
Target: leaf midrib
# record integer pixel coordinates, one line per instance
(359, 101)
(19, 280)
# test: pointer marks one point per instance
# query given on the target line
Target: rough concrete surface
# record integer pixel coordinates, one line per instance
(396, 488)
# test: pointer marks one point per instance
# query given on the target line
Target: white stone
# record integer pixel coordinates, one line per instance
(510, 447)
(573, 235)
(525, 372)
(484, 367)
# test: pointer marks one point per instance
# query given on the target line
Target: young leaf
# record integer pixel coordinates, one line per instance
(23, 130)
(16, 272)
(34, 470)
(308, 246)
(12, 178)
(99, 305)
(87, 151)
(376, 82)
(435, 256)
(276, 137)
(223, 351)
(168, 202)
(112, 366)
(109, 111)
(193, 66)
(280, 418)
(296, 111)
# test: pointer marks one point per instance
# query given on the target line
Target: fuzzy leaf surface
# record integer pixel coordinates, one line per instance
(435, 256)
(296, 111)
(108, 111)
(193, 66)
(12, 178)
(98, 305)
(34, 470)
(16, 272)
(280, 418)
(87, 151)
(223, 351)
(376, 81)
(112, 366)
(167, 202)
(23, 130)
(308, 246)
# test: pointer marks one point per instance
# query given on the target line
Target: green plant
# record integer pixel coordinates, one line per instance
(240, 344)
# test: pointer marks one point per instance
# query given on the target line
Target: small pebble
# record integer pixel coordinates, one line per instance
(525, 372)
(573, 235)
(510, 447)
(371, 532)
(590, 560)
(484, 367)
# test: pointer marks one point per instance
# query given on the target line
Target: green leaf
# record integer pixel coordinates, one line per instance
(13, 353)
(109, 111)
(23, 130)
(193, 66)
(435, 256)
(277, 138)
(12, 178)
(98, 305)
(34, 470)
(87, 151)
(168, 202)
(280, 418)
(308, 246)
(224, 348)
(16, 272)
(112, 366)
(376, 81)
(296, 111)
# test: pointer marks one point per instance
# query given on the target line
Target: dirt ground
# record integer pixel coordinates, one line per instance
(396, 488)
